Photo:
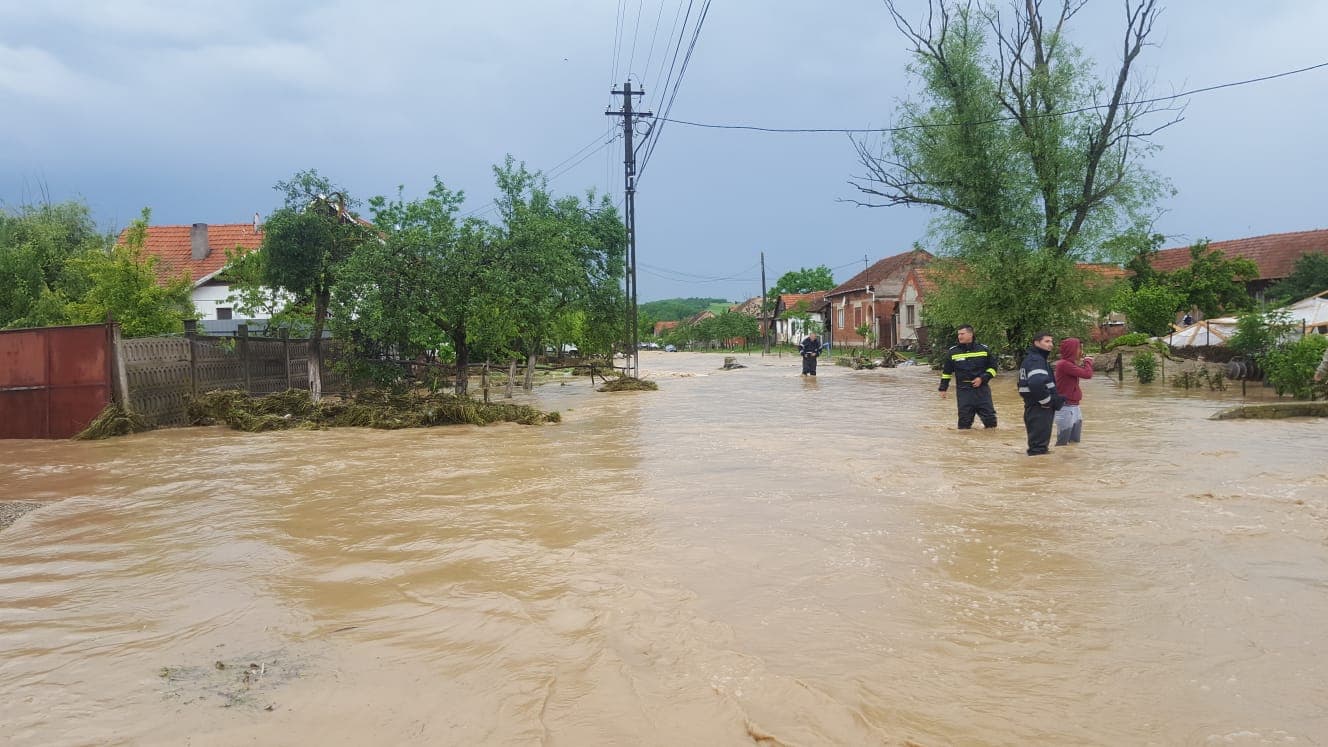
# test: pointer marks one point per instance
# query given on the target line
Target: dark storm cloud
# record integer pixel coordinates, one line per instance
(195, 109)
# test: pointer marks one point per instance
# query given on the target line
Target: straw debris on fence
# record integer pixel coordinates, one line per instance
(629, 384)
(293, 408)
(113, 421)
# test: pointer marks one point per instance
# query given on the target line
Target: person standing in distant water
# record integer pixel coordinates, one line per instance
(1067, 371)
(810, 349)
(974, 365)
(1038, 388)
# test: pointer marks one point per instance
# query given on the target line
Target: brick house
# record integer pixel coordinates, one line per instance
(871, 297)
(910, 328)
(912, 331)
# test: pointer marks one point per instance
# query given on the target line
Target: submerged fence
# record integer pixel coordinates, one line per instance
(162, 373)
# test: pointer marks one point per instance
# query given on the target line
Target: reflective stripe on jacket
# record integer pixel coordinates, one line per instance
(967, 362)
(1035, 380)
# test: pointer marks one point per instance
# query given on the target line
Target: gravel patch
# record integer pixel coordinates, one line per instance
(10, 511)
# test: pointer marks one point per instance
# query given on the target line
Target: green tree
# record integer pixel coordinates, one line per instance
(37, 277)
(804, 280)
(406, 293)
(305, 242)
(1029, 160)
(1290, 368)
(559, 258)
(1308, 277)
(122, 284)
(1212, 283)
(1258, 333)
(1151, 309)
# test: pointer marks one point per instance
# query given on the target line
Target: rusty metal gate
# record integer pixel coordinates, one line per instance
(54, 380)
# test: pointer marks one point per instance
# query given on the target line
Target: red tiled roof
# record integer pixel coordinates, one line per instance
(1275, 254)
(886, 276)
(171, 244)
(661, 327)
(790, 300)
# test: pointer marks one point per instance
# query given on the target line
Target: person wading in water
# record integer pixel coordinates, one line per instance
(973, 365)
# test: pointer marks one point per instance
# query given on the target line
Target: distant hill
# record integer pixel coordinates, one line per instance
(677, 309)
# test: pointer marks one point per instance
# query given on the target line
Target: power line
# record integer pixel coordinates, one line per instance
(603, 141)
(994, 120)
(693, 277)
(654, 141)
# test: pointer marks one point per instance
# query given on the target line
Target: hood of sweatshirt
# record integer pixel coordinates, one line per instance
(1070, 348)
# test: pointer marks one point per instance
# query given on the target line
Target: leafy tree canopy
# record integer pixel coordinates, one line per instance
(1029, 159)
(804, 280)
(1308, 277)
(1212, 283)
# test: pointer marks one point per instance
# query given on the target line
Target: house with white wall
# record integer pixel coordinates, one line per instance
(198, 252)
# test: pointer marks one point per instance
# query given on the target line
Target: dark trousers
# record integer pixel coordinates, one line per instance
(809, 365)
(1037, 420)
(975, 402)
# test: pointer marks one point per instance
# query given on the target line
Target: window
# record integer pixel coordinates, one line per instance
(911, 315)
(223, 312)
(841, 317)
(857, 317)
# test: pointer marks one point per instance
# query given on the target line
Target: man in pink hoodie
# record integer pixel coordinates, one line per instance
(1071, 367)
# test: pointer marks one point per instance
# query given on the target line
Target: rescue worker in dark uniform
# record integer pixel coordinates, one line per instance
(1038, 388)
(973, 365)
(810, 349)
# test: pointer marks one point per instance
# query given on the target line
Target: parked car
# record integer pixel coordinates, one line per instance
(670, 349)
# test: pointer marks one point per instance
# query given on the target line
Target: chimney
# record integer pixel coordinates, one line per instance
(198, 241)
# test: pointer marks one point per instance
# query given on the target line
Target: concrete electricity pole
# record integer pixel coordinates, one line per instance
(629, 218)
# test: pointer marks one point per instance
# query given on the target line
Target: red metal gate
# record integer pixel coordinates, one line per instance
(54, 380)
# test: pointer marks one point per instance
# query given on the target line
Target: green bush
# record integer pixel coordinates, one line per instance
(1290, 368)
(1145, 367)
(1133, 338)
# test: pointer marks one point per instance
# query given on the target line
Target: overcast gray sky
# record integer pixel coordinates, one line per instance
(196, 109)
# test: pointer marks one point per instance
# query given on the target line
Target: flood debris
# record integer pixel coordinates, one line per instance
(113, 421)
(1274, 410)
(629, 384)
(374, 408)
(244, 682)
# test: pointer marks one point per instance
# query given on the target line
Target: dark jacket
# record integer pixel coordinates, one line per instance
(967, 362)
(810, 346)
(1036, 384)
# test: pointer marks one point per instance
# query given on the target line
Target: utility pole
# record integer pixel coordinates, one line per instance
(765, 333)
(629, 218)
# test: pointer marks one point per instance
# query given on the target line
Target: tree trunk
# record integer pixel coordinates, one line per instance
(316, 346)
(529, 383)
(462, 361)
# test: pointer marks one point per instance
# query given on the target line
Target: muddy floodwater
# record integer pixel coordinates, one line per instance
(742, 557)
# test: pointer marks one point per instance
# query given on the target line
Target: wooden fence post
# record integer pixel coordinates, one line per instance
(243, 332)
(511, 376)
(484, 381)
(285, 353)
(190, 332)
(1120, 366)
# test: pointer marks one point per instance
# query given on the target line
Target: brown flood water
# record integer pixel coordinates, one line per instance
(743, 556)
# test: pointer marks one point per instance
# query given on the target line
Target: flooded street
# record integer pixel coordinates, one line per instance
(742, 557)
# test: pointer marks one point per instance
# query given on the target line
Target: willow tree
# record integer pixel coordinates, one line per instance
(1030, 160)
